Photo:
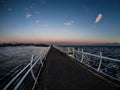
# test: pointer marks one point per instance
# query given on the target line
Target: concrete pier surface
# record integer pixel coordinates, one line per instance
(62, 73)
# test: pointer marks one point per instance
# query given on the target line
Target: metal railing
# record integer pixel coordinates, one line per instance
(107, 66)
(26, 70)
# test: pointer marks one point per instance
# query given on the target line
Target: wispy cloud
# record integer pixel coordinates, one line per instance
(28, 15)
(99, 17)
(9, 9)
(69, 23)
(37, 21)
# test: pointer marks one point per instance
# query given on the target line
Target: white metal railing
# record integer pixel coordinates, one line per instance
(80, 56)
(27, 70)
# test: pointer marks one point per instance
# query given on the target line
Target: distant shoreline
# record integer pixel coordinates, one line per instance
(63, 45)
(93, 45)
(10, 44)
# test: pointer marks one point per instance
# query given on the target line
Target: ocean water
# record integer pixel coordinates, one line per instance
(109, 67)
(108, 51)
(10, 57)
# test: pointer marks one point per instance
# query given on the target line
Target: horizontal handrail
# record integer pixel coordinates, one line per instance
(42, 63)
(5, 88)
(35, 61)
(19, 83)
(82, 53)
(112, 59)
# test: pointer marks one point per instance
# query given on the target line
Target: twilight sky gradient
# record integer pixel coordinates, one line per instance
(60, 21)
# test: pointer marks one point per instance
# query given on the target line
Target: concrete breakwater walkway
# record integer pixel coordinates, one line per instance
(60, 72)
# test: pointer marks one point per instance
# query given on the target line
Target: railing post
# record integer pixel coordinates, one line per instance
(78, 49)
(73, 52)
(100, 62)
(82, 57)
(68, 50)
(62, 49)
(32, 58)
(41, 63)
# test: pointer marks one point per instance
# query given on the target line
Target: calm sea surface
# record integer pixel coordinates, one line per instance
(108, 51)
(109, 67)
(10, 57)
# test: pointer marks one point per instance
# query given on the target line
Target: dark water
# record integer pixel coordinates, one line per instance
(110, 67)
(10, 57)
(110, 51)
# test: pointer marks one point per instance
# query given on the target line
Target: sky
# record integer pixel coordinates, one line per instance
(60, 21)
